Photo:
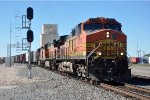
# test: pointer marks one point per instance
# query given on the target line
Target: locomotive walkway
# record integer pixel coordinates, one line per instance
(47, 85)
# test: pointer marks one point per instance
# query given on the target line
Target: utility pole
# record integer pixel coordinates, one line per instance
(143, 53)
(140, 53)
(137, 49)
(10, 43)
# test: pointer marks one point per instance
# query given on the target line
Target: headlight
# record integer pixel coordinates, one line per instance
(121, 53)
(107, 34)
(99, 53)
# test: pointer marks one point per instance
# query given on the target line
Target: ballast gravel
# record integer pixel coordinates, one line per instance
(140, 69)
(143, 70)
(47, 85)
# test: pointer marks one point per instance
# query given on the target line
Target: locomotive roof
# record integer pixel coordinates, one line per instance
(102, 20)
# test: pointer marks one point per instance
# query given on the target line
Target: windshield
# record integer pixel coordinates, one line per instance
(97, 26)
(116, 27)
(93, 26)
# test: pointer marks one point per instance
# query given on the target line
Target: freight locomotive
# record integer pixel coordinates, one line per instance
(96, 48)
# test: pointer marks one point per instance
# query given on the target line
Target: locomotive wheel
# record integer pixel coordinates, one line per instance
(81, 70)
(77, 70)
(60, 67)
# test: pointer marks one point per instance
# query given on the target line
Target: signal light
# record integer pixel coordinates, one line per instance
(29, 35)
(29, 13)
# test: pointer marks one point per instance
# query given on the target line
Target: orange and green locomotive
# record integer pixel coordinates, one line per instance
(96, 48)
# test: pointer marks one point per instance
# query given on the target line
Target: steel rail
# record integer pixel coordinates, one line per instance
(125, 91)
(138, 88)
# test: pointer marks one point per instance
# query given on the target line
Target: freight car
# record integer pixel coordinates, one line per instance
(23, 58)
(96, 48)
(134, 60)
(2, 60)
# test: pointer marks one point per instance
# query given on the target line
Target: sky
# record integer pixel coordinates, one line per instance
(133, 15)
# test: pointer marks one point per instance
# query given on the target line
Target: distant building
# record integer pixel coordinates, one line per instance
(49, 33)
(146, 60)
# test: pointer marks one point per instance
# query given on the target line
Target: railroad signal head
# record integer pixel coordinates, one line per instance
(29, 35)
(29, 13)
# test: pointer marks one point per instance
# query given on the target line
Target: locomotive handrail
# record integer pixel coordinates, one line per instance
(90, 55)
(93, 51)
(125, 51)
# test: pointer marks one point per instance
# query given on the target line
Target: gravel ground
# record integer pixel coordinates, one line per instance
(47, 85)
(140, 69)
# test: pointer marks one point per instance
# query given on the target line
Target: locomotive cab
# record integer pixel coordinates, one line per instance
(106, 50)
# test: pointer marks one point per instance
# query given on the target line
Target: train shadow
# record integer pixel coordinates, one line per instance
(139, 81)
(113, 83)
(134, 81)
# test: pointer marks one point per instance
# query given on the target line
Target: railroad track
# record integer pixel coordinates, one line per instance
(130, 90)
(127, 89)
(141, 77)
